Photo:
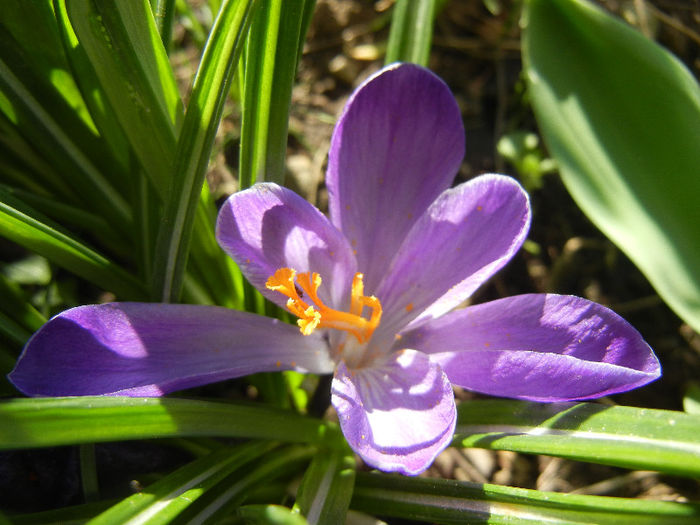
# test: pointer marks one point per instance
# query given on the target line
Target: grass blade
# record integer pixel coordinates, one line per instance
(411, 31)
(326, 490)
(629, 437)
(211, 86)
(66, 252)
(166, 499)
(45, 422)
(121, 41)
(455, 502)
(270, 62)
(53, 130)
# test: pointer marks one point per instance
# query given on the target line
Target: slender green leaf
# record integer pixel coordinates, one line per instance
(68, 216)
(14, 304)
(211, 86)
(621, 116)
(638, 438)
(12, 331)
(101, 111)
(691, 399)
(222, 276)
(23, 167)
(31, 27)
(166, 499)
(411, 31)
(164, 13)
(54, 132)
(122, 44)
(66, 252)
(27, 423)
(270, 515)
(454, 502)
(271, 57)
(88, 473)
(234, 489)
(76, 515)
(326, 490)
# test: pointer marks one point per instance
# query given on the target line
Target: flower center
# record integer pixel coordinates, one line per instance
(314, 314)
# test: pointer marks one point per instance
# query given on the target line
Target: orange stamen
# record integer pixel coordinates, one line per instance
(314, 314)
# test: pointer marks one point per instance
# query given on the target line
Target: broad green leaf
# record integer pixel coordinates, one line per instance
(455, 502)
(270, 62)
(166, 499)
(629, 437)
(66, 252)
(325, 492)
(122, 44)
(621, 116)
(46, 422)
(411, 31)
(211, 86)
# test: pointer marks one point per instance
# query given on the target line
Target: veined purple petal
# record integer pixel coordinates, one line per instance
(399, 415)
(140, 349)
(538, 347)
(267, 227)
(466, 235)
(397, 146)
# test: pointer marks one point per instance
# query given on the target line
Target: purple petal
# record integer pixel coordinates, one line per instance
(538, 347)
(398, 416)
(397, 146)
(466, 235)
(267, 227)
(140, 349)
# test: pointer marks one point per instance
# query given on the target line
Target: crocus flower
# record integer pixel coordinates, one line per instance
(375, 289)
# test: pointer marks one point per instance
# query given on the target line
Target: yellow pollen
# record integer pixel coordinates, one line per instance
(314, 314)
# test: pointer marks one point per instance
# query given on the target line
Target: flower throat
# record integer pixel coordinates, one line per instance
(315, 314)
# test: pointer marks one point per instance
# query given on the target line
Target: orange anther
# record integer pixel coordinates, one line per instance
(315, 314)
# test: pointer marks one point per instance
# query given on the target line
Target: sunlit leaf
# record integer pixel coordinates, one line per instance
(411, 31)
(325, 492)
(629, 437)
(621, 116)
(66, 252)
(166, 499)
(44, 422)
(270, 63)
(454, 502)
(122, 43)
(211, 86)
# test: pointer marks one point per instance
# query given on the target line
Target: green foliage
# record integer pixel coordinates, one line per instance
(621, 116)
(411, 31)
